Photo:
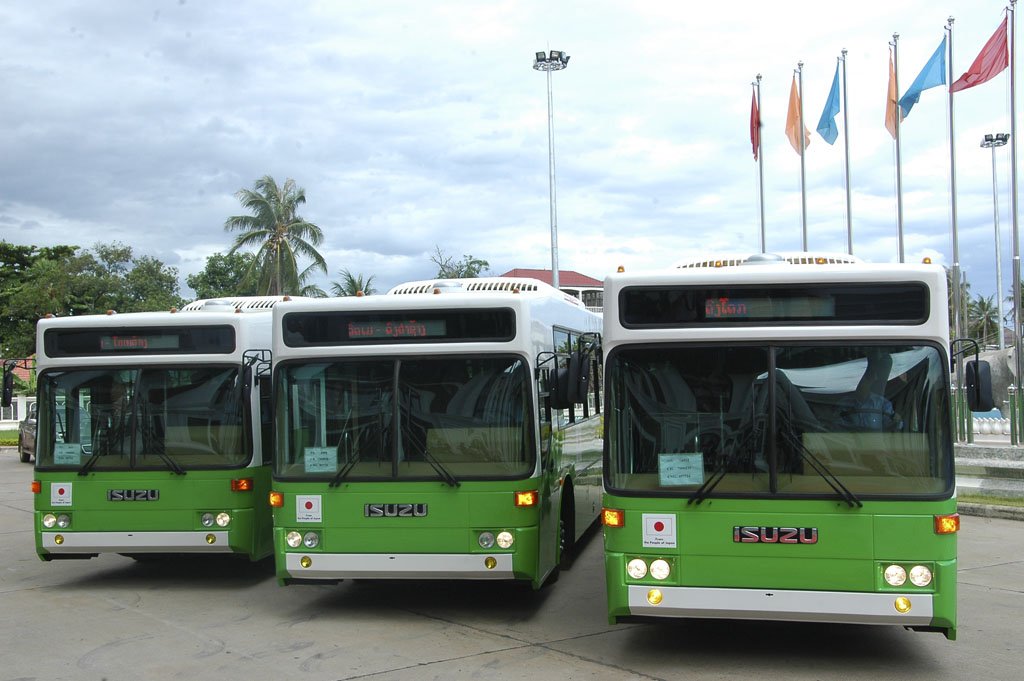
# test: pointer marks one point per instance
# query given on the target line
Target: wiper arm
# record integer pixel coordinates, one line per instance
(87, 466)
(343, 473)
(445, 474)
(704, 490)
(827, 475)
(171, 463)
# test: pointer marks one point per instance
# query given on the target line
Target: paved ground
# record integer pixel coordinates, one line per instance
(113, 618)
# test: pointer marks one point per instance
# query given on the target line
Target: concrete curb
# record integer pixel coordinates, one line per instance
(991, 511)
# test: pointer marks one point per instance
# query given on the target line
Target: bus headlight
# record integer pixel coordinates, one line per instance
(485, 540)
(919, 575)
(636, 568)
(505, 539)
(660, 569)
(63, 520)
(895, 575)
(293, 539)
(223, 519)
(207, 520)
(49, 520)
(311, 540)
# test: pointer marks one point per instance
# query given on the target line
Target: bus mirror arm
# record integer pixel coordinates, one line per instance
(8, 379)
(977, 376)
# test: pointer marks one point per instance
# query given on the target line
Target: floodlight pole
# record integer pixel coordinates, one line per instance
(991, 142)
(555, 61)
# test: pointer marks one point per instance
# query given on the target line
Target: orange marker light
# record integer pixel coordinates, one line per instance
(947, 524)
(241, 485)
(36, 487)
(276, 500)
(526, 498)
(613, 517)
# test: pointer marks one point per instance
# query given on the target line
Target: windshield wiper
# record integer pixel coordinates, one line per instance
(87, 466)
(827, 475)
(171, 463)
(445, 474)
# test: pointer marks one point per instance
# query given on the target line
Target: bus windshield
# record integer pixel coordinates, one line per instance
(779, 420)
(142, 418)
(408, 418)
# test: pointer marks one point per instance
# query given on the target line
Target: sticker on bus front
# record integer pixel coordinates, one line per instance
(307, 508)
(60, 493)
(659, 530)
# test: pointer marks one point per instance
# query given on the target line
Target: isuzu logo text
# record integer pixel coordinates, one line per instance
(775, 535)
(133, 494)
(395, 510)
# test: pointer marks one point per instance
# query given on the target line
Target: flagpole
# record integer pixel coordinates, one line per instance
(899, 164)
(958, 288)
(760, 161)
(1013, 195)
(846, 143)
(803, 147)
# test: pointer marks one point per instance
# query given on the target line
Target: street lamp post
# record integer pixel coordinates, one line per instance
(991, 142)
(555, 61)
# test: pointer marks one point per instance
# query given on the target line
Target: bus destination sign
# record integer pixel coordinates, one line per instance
(397, 328)
(140, 342)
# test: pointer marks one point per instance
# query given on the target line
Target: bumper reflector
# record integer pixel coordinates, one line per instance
(902, 604)
(654, 596)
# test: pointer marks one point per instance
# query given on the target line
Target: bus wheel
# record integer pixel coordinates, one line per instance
(567, 529)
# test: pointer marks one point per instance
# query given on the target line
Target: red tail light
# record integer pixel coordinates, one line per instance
(36, 487)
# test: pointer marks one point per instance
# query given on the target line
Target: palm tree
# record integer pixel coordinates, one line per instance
(983, 314)
(278, 233)
(352, 284)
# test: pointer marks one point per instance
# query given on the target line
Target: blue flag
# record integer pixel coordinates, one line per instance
(933, 73)
(827, 125)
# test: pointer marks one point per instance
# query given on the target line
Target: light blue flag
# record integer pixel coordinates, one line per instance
(933, 73)
(827, 125)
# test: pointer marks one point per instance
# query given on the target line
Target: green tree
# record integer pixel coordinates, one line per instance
(67, 281)
(983, 320)
(18, 328)
(352, 284)
(450, 268)
(224, 275)
(278, 233)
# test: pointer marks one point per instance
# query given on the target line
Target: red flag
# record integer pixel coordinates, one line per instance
(991, 61)
(755, 124)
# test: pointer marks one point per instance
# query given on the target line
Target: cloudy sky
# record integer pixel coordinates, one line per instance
(413, 125)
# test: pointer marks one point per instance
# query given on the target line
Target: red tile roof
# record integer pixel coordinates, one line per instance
(565, 277)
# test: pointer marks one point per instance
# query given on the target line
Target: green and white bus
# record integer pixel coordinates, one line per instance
(154, 431)
(435, 432)
(779, 444)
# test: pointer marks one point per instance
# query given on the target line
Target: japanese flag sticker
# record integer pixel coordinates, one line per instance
(307, 508)
(60, 494)
(659, 530)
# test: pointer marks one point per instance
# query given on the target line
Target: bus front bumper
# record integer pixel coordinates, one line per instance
(135, 542)
(335, 566)
(795, 606)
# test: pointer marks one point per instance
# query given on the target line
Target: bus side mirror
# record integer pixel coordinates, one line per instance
(978, 384)
(582, 382)
(558, 390)
(8, 394)
(247, 383)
